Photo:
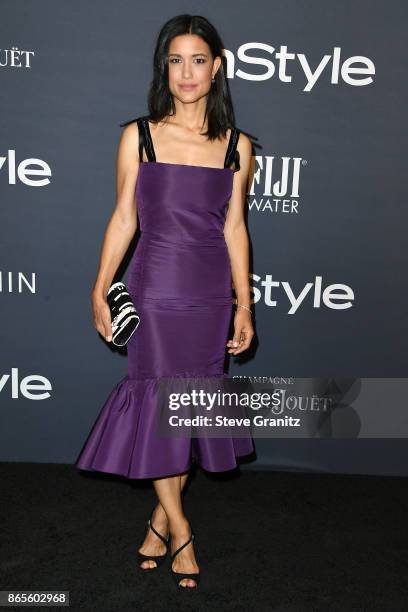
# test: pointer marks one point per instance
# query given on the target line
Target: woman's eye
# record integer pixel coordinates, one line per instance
(174, 60)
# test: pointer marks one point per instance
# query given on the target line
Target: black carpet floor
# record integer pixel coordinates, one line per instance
(279, 541)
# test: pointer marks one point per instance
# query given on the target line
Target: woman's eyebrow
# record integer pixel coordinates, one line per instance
(193, 55)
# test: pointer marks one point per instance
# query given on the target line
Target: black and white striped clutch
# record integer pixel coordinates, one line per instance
(125, 318)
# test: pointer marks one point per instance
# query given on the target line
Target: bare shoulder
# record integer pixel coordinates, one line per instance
(129, 137)
(244, 145)
(128, 152)
(244, 148)
(128, 148)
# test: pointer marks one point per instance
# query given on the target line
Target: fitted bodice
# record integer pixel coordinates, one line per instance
(180, 202)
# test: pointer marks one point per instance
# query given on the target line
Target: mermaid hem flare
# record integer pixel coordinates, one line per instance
(124, 440)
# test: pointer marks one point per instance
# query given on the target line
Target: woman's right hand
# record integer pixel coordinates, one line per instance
(102, 316)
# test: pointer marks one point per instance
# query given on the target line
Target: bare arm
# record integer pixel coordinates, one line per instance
(121, 226)
(237, 241)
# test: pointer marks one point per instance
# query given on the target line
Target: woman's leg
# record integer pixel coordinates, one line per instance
(152, 545)
(169, 493)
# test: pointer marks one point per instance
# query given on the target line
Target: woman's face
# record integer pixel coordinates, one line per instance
(191, 67)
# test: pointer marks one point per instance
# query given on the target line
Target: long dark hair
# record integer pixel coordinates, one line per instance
(219, 109)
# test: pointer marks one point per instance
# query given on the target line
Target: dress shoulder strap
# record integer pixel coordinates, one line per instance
(232, 154)
(145, 138)
(146, 142)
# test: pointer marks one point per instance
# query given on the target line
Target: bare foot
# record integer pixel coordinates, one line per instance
(185, 561)
(152, 544)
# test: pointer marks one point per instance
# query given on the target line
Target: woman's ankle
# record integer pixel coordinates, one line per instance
(180, 527)
(159, 515)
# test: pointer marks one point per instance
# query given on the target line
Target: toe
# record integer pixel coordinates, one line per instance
(149, 564)
(188, 583)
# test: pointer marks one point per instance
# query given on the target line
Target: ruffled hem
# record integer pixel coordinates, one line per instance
(124, 438)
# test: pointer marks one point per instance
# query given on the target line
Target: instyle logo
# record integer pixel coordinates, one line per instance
(278, 179)
(17, 282)
(22, 170)
(336, 296)
(33, 387)
(15, 58)
(331, 68)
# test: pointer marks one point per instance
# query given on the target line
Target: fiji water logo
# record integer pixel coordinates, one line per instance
(275, 186)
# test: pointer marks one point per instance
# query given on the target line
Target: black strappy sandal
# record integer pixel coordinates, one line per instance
(178, 576)
(159, 558)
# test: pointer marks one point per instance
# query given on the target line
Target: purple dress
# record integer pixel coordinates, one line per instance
(180, 282)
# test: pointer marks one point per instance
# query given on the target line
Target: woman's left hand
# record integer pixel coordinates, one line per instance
(243, 332)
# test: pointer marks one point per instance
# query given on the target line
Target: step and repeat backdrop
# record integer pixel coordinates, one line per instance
(319, 87)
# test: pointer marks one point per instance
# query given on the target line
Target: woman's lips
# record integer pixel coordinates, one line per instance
(187, 87)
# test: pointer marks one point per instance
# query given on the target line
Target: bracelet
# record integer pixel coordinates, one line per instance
(246, 307)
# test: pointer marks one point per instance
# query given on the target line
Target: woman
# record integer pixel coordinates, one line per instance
(193, 244)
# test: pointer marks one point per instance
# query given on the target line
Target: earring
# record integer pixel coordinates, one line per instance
(213, 80)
